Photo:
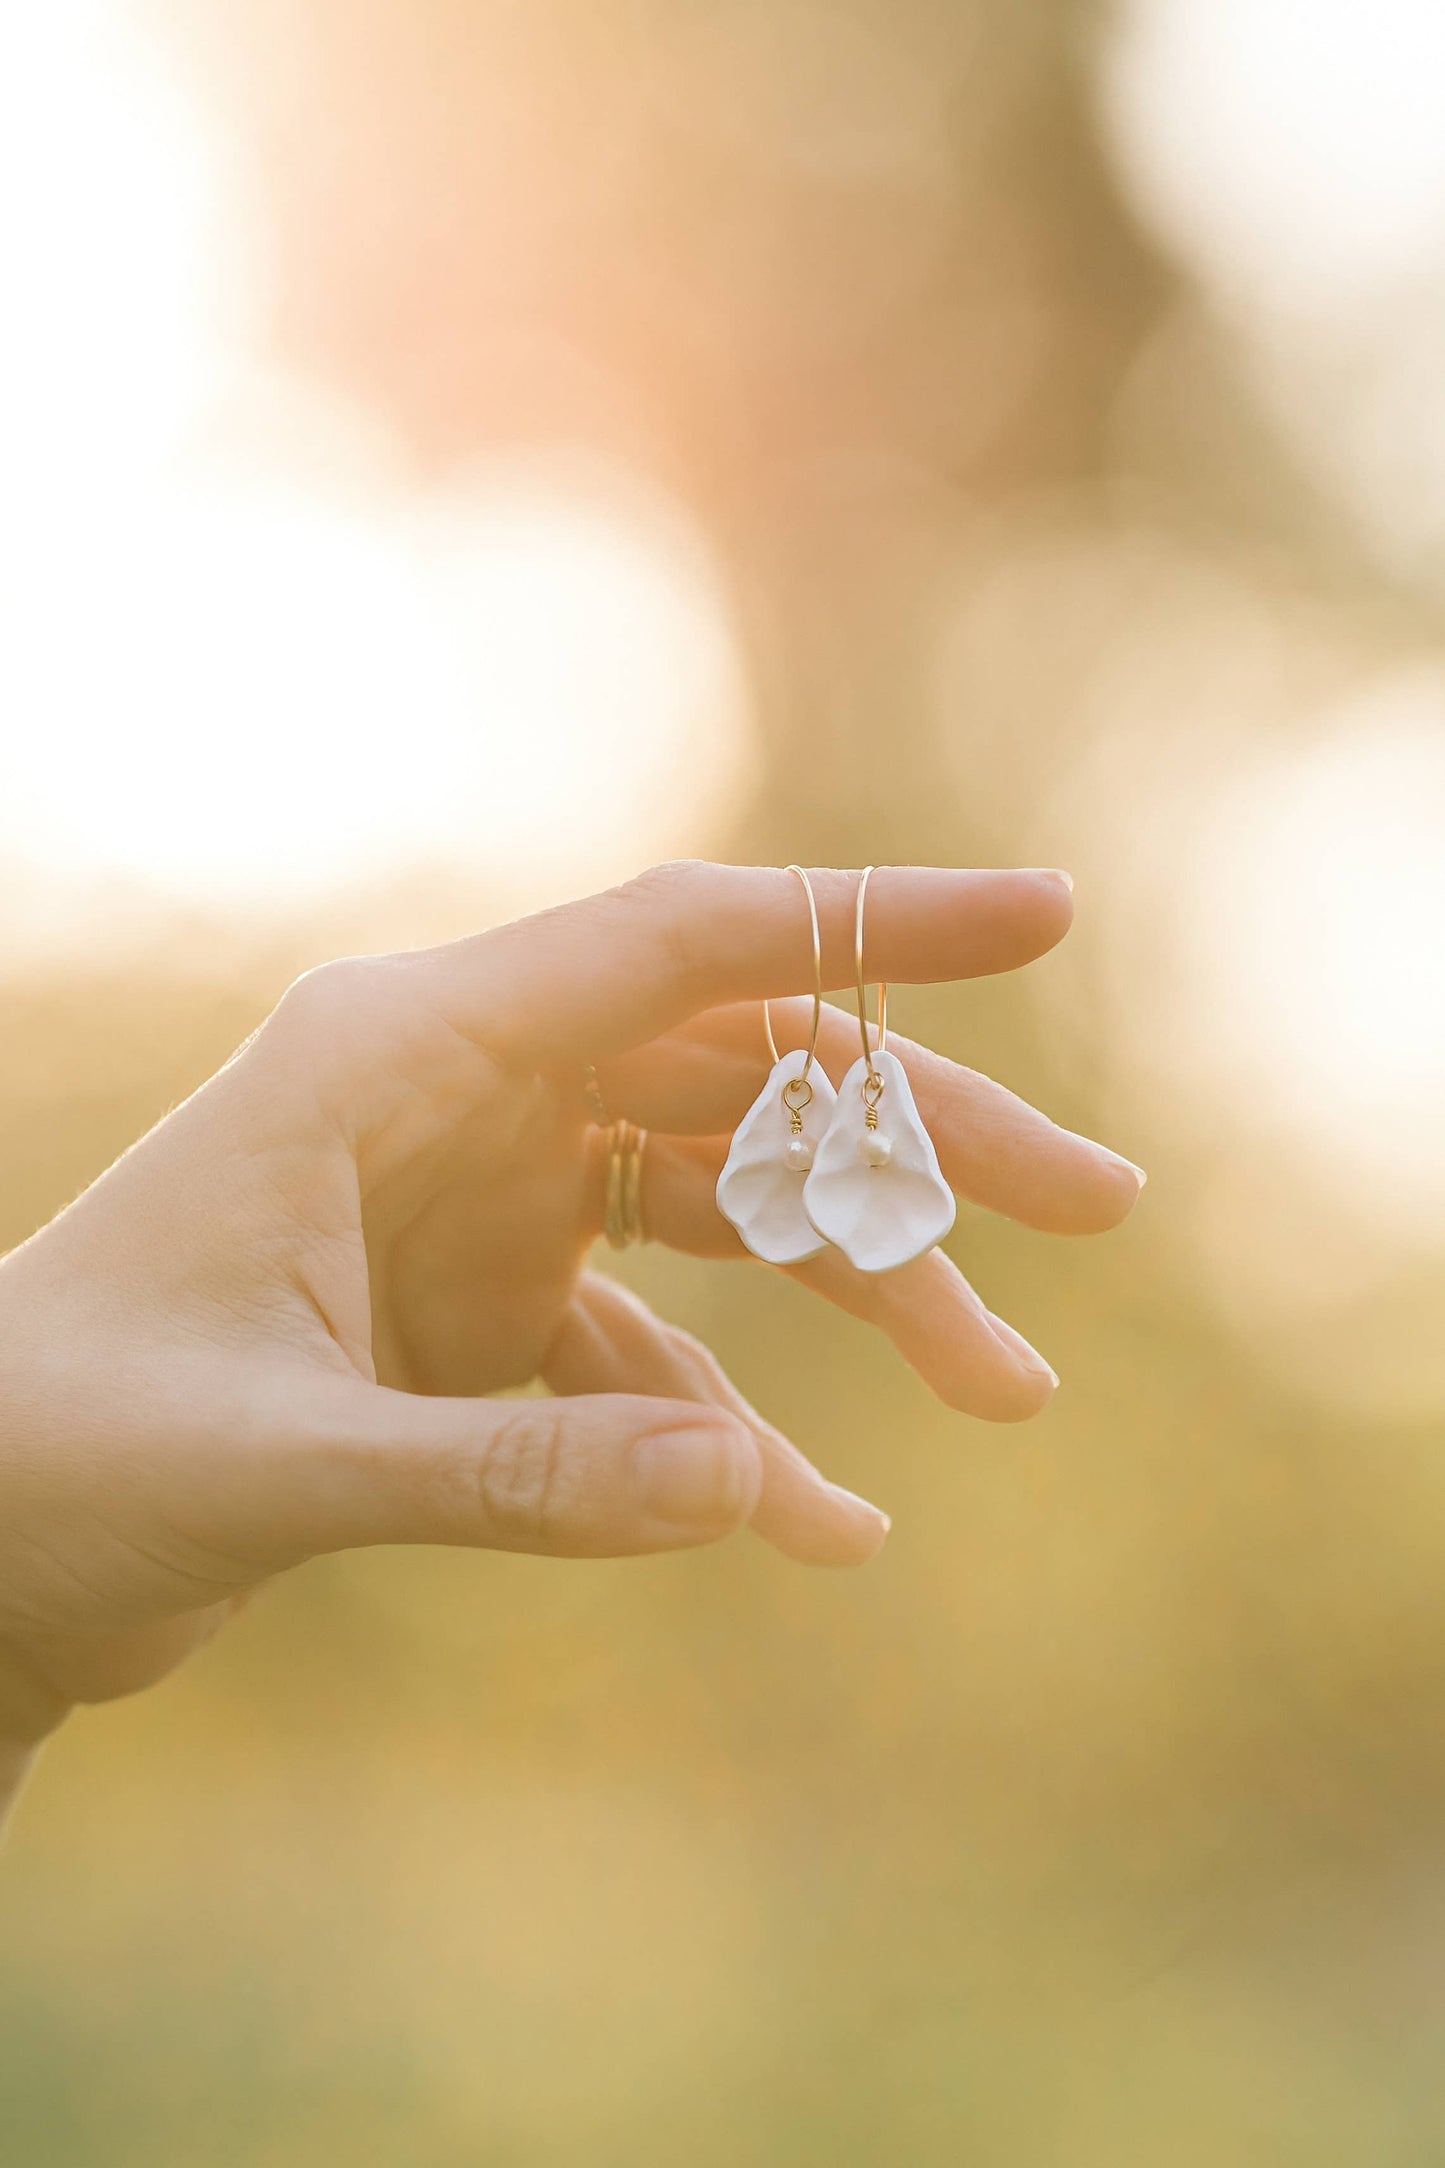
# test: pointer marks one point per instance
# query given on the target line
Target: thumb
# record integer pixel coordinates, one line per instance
(608, 1475)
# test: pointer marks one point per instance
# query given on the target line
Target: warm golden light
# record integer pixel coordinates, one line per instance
(281, 692)
(1314, 916)
(1292, 155)
(244, 658)
(454, 454)
(1293, 149)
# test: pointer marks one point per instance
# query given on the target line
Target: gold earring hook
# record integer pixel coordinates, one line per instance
(802, 1076)
(873, 1078)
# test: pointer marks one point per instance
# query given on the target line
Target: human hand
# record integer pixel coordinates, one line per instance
(262, 1334)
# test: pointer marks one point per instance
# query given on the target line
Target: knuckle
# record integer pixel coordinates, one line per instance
(328, 989)
(669, 882)
(695, 1357)
(687, 1343)
(517, 1478)
(339, 1002)
(664, 896)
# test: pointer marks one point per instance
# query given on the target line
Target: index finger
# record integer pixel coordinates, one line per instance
(597, 976)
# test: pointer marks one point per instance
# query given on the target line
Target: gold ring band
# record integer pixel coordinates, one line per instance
(623, 1222)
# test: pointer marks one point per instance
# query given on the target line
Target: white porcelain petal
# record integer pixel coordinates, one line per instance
(879, 1217)
(758, 1190)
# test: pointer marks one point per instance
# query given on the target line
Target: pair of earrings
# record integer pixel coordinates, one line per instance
(855, 1167)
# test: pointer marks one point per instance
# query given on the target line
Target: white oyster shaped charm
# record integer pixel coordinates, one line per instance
(760, 1190)
(876, 1190)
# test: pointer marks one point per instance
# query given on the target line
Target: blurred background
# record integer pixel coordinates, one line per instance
(453, 454)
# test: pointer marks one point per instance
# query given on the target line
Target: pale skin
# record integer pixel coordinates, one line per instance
(270, 1329)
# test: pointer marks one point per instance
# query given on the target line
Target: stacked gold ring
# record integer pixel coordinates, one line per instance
(625, 1146)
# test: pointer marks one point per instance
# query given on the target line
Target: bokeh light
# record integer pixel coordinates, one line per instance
(1293, 156)
(281, 691)
(451, 456)
(1291, 151)
(248, 654)
(1311, 933)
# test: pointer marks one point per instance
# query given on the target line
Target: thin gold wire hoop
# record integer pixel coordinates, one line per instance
(873, 1078)
(802, 1076)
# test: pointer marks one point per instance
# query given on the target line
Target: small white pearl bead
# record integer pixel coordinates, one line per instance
(800, 1152)
(873, 1150)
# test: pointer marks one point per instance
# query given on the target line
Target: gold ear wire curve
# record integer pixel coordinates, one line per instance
(802, 1076)
(873, 1077)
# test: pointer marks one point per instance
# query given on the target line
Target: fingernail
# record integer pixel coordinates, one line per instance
(863, 1508)
(1117, 1159)
(696, 1478)
(1057, 873)
(1028, 1358)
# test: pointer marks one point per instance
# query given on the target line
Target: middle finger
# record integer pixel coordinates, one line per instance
(994, 1148)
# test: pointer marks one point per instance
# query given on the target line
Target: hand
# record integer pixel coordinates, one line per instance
(261, 1335)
